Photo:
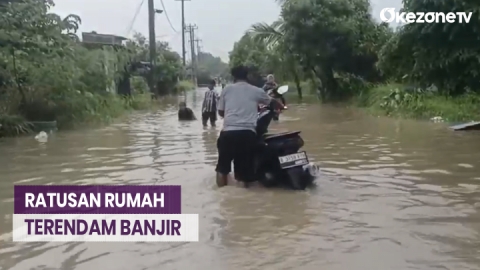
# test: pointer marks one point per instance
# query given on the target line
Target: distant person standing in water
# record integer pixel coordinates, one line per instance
(209, 106)
(185, 113)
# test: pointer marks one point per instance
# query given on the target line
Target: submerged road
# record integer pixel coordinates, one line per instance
(394, 194)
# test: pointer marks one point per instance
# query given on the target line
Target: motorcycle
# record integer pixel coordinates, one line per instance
(279, 161)
(280, 91)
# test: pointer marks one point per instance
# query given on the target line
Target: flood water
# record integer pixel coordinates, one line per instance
(393, 194)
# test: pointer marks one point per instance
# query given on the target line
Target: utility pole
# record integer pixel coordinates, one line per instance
(152, 44)
(183, 32)
(151, 38)
(191, 29)
(198, 50)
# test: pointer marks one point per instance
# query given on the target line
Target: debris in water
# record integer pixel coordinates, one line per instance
(42, 137)
(437, 119)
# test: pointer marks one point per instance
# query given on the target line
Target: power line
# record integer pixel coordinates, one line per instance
(168, 19)
(135, 17)
(169, 37)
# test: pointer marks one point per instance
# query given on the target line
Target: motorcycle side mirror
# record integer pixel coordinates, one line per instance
(282, 89)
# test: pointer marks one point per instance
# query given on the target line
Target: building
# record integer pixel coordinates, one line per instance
(109, 44)
(103, 39)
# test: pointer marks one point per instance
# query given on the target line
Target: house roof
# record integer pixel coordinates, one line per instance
(93, 37)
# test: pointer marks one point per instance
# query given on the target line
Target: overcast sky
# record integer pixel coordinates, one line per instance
(220, 22)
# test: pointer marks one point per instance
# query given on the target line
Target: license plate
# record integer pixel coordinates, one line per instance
(293, 160)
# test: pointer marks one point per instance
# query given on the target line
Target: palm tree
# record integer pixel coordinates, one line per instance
(274, 37)
(71, 24)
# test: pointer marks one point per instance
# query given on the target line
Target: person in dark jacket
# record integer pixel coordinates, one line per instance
(272, 86)
(185, 113)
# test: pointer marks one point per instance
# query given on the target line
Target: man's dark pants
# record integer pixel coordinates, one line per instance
(209, 115)
(237, 146)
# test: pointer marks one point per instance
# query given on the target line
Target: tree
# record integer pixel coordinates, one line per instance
(46, 74)
(445, 55)
(333, 37)
(344, 49)
(214, 65)
(273, 36)
(250, 52)
(71, 24)
(317, 40)
(168, 67)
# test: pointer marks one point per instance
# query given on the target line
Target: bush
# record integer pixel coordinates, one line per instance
(398, 100)
(183, 86)
(308, 88)
(349, 86)
(139, 101)
(139, 85)
(46, 74)
(14, 125)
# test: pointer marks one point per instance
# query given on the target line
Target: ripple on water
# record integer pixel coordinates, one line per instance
(387, 198)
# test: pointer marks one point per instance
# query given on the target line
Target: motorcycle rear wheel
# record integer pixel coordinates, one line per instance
(267, 181)
(297, 178)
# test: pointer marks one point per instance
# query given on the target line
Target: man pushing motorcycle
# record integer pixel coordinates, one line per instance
(238, 105)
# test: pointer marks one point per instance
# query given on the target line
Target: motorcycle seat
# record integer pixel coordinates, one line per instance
(280, 135)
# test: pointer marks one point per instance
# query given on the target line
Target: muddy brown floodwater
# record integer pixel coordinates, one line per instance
(393, 194)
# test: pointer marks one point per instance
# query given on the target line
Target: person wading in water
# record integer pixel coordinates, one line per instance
(185, 113)
(209, 106)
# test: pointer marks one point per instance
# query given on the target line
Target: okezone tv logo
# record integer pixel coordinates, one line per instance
(424, 17)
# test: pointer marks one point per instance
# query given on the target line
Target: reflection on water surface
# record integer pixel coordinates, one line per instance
(393, 195)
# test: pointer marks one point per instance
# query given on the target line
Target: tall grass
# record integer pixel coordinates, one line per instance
(74, 109)
(183, 86)
(394, 100)
(309, 88)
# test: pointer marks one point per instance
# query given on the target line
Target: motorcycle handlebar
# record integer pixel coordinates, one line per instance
(269, 107)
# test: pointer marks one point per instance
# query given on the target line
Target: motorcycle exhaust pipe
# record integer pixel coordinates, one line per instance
(312, 168)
